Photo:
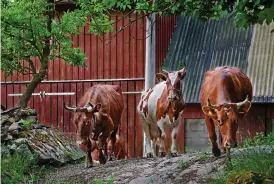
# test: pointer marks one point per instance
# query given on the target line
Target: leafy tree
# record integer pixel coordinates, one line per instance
(31, 30)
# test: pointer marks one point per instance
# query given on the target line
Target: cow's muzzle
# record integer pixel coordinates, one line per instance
(173, 98)
(230, 144)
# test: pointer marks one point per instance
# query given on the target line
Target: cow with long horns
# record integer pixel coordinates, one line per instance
(161, 107)
(225, 97)
(99, 110)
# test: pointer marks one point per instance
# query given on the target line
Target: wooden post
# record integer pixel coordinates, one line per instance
(150, 65)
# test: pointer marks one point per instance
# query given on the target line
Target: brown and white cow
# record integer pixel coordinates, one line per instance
(99, 109)
(161, 107)
(225, 97)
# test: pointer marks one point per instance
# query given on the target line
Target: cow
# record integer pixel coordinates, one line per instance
(225, 97)
(119, 151)
(99, 109)
(161, 107)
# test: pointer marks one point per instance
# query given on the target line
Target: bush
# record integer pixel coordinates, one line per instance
(255, 162)
(259, 164)
(259, 140)
(19, 168)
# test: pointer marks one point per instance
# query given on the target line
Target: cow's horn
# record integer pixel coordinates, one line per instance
(72, 109)
(210, 105)
(243, 102)
(164, 71)
(184, 69)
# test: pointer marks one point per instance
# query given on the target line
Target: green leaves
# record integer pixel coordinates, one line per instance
(266, 15)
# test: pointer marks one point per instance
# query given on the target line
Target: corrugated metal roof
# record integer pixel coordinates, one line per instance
(261, 63)
(206, 45)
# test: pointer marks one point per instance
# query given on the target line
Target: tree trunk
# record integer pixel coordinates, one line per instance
(38, 77)
(36, 80)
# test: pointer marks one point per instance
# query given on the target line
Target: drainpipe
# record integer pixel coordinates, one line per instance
(150, 65)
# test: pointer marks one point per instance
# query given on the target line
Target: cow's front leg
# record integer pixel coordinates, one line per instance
(212, 136)
(89, 160)
(101, 149)
(111, 156)
(162, 151)
(174, 132)
(148, 150)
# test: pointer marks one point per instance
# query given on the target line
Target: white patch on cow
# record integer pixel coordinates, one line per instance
(172, 77)
(153, 99)
(89, 108)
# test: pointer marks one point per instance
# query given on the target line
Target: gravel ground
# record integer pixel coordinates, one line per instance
(182, 169)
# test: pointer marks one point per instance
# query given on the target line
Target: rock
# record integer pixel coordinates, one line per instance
(14, 133)
(52, 146)
(14, 126)
(5, 120)
(19, 113)
(21, 141)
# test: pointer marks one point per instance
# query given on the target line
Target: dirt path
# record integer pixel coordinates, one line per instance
(181, 169)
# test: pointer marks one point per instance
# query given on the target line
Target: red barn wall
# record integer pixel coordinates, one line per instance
(122, 57)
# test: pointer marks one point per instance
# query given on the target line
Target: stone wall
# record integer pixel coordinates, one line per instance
(21, 132)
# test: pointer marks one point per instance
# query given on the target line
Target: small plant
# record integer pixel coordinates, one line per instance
(26, 124)
(202, 156)
(109, 181)
(182, 164)
(19, 168)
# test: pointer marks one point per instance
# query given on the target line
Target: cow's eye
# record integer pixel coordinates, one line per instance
(227, 110)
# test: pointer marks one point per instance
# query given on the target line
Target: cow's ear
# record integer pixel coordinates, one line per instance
(209, 112)
(97, 107)
(161, 77)
(244, 108)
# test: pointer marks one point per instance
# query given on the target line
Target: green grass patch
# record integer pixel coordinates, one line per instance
(108, 181)
(18, 168)
(259, 140)
(252, 164)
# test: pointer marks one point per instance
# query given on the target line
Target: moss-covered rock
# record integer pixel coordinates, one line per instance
(21, 133)
(249, 177)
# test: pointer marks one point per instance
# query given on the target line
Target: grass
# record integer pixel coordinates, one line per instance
(261, 163)
(18, 168)
(108, 181)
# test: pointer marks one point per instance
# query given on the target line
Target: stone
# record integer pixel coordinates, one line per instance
(52, 146)
(14, 126)
(21, 141)
(14, 133)
(19, 113)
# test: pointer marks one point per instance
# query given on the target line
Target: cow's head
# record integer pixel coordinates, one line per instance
(173, 81)
(226, 116)
(83, 120)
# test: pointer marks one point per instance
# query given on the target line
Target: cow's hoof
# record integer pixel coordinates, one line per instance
(89, 165)
(149, 155)
(174, 154)
(162, 154)
(216, 151)
(102, 160)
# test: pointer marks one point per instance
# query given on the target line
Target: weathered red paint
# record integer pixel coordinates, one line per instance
(226, 88)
